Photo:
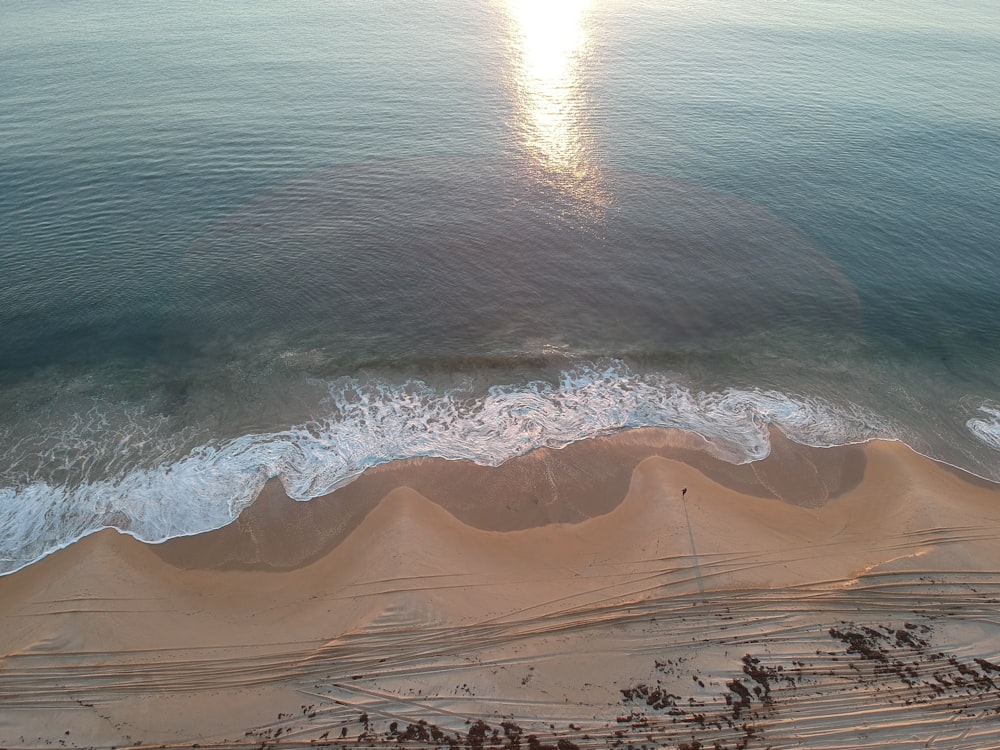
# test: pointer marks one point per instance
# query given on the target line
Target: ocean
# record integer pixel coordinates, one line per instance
(296, 240)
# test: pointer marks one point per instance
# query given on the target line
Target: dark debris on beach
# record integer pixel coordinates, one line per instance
(897, 664)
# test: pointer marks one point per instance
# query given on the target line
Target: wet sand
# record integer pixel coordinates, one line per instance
(578, 598)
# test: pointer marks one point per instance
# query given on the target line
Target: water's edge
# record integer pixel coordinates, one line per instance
(367, 424)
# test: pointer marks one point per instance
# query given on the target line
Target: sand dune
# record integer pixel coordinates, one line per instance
(822, 599)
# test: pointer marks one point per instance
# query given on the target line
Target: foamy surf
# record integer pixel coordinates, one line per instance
(986, 429)
(364, 424)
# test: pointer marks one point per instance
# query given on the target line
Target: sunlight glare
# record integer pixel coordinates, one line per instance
(551, 43)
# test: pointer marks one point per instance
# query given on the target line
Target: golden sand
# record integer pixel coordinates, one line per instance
(624, 591)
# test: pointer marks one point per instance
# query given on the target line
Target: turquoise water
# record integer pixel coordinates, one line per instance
(298, 239)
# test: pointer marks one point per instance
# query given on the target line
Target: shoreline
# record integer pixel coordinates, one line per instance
(820, 593)
(582, 480)
(205, 485)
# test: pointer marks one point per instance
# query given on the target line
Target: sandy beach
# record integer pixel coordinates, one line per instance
(624, 592)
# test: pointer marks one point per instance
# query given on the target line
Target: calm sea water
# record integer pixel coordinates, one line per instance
(297, 239)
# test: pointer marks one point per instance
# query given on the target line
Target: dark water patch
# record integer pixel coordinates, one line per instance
(431, 259)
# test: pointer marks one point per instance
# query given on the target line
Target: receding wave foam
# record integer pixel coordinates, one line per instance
(368, 423)
(986, 429)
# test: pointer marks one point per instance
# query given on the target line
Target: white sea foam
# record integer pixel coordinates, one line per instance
(365, 424)
(986, 429)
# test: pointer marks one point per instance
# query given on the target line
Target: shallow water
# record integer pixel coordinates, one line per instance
(301, 240)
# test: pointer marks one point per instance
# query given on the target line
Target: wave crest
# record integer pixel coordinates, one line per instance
(364, 424)
(986, 430)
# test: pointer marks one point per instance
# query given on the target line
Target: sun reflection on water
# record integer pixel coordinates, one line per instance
(550, 45)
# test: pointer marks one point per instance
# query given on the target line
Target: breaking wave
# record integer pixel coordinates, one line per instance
(362, 424)
(986, 429)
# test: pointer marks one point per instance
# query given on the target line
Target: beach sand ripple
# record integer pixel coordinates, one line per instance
(626, 592)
